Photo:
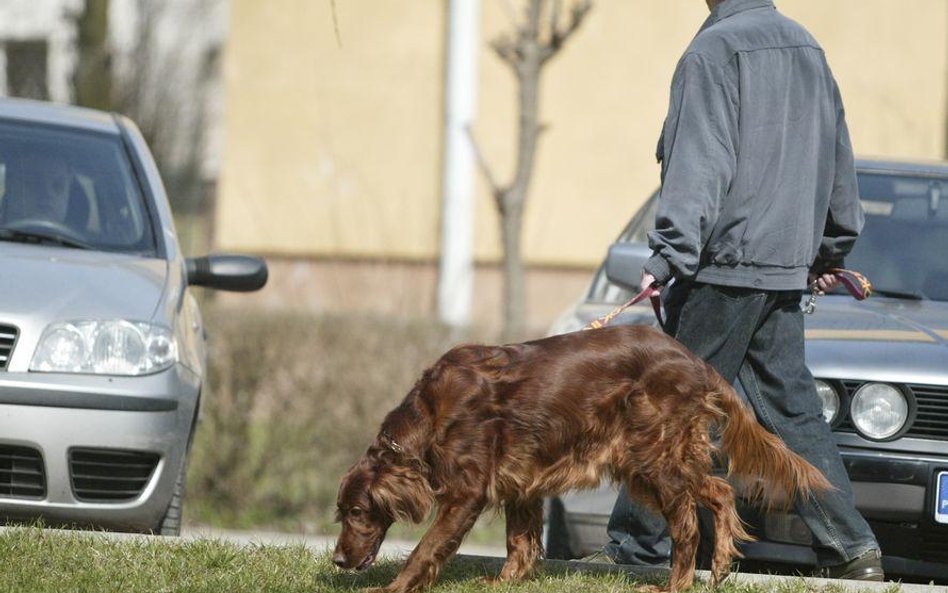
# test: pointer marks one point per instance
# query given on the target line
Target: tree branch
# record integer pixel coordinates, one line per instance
(335, 24)
(555, 15)
(495, 188)
(559, 35)
(507, 50)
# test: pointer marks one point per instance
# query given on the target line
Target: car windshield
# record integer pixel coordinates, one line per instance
(70, 188)
(901, 249)
(903, 245)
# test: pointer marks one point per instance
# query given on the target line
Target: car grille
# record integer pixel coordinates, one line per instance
(931, 418)
(934, 545)
(106, 475)
(21, 473)
(8, 335)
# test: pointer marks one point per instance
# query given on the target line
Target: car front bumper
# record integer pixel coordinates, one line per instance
(896, 495)
(108, 449)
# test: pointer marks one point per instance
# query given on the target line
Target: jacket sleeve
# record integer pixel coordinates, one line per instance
(699, 157)
(845, 218)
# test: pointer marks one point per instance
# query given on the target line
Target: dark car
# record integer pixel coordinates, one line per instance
(882, 373)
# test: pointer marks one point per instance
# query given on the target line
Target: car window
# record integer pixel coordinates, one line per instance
(642, 222)
(903, 245)
(603, 291)
(74, 185)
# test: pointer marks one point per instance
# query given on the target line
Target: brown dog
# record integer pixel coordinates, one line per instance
(491, 426)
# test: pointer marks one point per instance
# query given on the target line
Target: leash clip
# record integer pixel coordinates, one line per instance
(810, 307)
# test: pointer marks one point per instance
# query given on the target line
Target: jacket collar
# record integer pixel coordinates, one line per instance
(731, 7)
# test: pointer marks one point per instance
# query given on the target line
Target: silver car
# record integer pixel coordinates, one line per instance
(102, 348)
(882, 370)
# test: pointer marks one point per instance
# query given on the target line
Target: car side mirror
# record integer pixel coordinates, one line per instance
(238, 273)
(624, 264)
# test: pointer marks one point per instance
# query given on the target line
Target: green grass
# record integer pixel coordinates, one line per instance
(35, 560)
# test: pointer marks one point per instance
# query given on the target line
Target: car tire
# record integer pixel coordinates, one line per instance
(170, 524)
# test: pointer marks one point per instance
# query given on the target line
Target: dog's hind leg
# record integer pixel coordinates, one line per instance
(452, 522)
(717, 496)
(524, 538)
(681, 512)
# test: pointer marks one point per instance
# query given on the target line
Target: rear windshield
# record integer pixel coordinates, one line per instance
(74, 186)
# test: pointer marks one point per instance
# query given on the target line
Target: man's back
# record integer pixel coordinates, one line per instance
(756, 92)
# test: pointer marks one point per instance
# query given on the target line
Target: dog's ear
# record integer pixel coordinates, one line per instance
(402, 492)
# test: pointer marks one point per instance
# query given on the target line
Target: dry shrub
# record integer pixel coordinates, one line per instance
(292, 400)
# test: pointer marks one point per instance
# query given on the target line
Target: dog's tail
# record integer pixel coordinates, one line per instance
(774, 475)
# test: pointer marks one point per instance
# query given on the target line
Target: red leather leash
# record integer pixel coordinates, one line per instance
(653, 293)
(855, 283)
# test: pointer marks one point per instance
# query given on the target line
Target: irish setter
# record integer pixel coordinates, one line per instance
(492, 426)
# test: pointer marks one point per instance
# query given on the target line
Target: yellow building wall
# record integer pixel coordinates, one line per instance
(334, 149)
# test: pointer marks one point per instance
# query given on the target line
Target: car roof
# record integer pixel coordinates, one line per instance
(42, 112)
(920, 167)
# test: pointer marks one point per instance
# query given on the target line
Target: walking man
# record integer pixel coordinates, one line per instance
(758, 195)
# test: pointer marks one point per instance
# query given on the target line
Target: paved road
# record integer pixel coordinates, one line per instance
(393, 548)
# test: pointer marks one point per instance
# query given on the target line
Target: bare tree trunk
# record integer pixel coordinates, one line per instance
(514, 277)
(526, 54)
(93, 77)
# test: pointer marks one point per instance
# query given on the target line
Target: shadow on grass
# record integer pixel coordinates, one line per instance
(473, 569)
(382, 573)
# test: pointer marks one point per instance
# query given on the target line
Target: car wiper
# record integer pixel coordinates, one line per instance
(19, 236)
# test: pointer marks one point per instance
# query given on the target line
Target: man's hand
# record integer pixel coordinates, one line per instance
(824, 282)
(647, 283)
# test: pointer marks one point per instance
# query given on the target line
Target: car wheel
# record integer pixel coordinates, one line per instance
(171, 523)
(557, 544)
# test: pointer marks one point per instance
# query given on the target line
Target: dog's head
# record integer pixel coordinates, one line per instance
(385, 486)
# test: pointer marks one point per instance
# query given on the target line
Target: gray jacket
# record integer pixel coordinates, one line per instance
(758, 180)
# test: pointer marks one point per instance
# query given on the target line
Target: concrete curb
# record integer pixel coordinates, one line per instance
(767, 582)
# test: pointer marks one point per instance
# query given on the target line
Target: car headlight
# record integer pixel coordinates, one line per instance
(113, 347)
(830, 398)
(879, 411)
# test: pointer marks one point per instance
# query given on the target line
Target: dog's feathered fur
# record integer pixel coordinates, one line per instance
(505, 426)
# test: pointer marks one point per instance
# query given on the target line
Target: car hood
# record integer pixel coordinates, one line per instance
(880, 338)
(44, 284)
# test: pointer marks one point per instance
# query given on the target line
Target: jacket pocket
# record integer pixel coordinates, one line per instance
(787, 243)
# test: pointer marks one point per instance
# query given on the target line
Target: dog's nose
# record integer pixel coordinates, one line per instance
(339, 559)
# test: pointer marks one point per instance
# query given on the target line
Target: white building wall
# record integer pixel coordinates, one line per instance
(186, 31)
(47, 20)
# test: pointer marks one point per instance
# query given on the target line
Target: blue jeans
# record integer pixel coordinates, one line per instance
(756, 336)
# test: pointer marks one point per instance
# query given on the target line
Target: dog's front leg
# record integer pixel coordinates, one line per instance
(524, 538)
(452, 522)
